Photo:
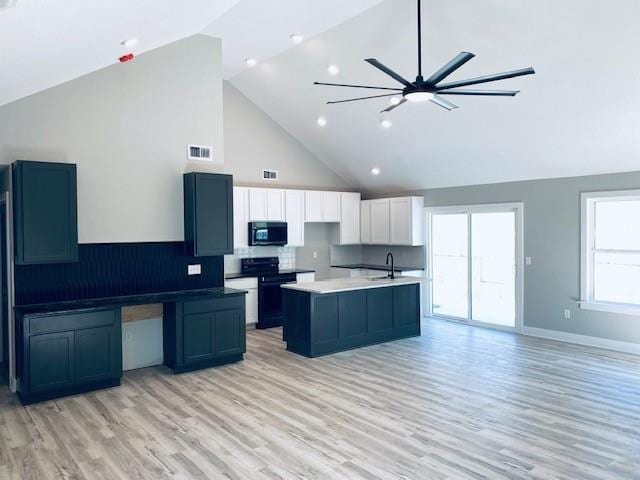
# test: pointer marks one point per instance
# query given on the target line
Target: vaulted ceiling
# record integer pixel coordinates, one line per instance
(580, 114)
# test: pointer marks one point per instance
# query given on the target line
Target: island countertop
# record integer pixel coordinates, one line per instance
(336, 285)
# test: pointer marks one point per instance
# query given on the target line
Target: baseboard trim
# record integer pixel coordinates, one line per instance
(616, 345)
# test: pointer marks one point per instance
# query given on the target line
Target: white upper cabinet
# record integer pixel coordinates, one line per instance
(322, 207)
(294, 216)
(240, 217)
(405, 215)
(331, 201)
(349, 218)
(365, 222)
(314, 206)
(275, 205)
(266, 204)
(380, 230)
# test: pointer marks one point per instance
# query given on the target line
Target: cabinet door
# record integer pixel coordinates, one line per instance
(252, 306)
(45, 212)
(380, 222)
(365, 222)
(229, 333)
(275, 205)
(258, 205)
(198, 337)
(400, 221)
(208, 214)
(294, 216)
(98, 354)
(349, 218)
(314, 206)
(51, 361)
(331, 206)
(406, 305)
(240, 217)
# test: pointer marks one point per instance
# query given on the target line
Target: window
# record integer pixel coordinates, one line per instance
(610, 276)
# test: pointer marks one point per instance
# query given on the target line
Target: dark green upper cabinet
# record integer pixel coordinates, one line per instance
(208, 214)
(45, 212)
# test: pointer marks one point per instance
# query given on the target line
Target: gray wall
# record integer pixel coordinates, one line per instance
(317, 238)
(127, 128)
(552, 239)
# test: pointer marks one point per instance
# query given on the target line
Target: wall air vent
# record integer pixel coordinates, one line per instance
(7, 4)
(271, 175)
(201, 153)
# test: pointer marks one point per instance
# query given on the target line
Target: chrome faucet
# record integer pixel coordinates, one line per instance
(392, 274)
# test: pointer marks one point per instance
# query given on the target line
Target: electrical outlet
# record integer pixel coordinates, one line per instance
(527, 260)
(194, 269)
(128, 337)
(315, 254)
(567, 313)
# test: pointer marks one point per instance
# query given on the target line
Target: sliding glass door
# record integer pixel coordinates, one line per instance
(474, 263)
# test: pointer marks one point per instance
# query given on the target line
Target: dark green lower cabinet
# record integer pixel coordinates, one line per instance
(320, 324)
(204, 333)
(66, 353)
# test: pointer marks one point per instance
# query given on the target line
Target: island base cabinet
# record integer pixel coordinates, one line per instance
(201, 334)
(320, 324)
(67, 353)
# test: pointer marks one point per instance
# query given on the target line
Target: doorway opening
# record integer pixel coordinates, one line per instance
(475, 264)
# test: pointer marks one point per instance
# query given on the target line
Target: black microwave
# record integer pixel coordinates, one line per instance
(267, 233)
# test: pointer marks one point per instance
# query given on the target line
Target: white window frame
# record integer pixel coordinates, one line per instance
(587, 251)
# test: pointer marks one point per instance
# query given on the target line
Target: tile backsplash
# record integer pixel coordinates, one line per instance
(287, 256)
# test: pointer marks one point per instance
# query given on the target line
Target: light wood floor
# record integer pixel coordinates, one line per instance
(456, 403)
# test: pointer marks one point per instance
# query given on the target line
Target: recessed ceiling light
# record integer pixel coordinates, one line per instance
(251, 62)
(130, 42)
(375, 171)
(386, 123)
(394, 101)
(333, 70)
(321, 121)
(296, 38)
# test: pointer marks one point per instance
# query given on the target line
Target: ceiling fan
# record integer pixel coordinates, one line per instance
(431, 89)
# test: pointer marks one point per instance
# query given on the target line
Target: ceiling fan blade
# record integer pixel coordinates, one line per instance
(449, 68)
(388, 71)
(361, 98)
(443, 103)
(486, 93)
(356, 86)
(488, 78)
(388, 109)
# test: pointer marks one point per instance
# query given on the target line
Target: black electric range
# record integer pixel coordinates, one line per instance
(270, 294)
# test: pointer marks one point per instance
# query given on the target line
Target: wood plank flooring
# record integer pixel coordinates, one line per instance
(456, 403)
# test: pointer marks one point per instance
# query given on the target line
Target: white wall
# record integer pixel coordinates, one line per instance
(126, 127)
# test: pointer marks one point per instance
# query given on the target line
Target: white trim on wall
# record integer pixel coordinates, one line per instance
(598, 342)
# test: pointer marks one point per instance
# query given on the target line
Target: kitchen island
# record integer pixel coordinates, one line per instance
(331, 316)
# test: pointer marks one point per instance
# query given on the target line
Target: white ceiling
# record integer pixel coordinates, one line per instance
(580, 114)
(45, 42)
(260, 29)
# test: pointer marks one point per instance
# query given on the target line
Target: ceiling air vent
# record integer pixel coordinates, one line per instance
(202, 153)
(270, 175)
(7, 4)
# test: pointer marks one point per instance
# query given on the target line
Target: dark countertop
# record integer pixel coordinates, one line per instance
(231, 276)
(141, 299)
(384, 268)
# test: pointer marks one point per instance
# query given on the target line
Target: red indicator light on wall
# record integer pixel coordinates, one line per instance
(126, 58)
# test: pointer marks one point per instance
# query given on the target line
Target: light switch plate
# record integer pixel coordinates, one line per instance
(527, 260)
(194, 269)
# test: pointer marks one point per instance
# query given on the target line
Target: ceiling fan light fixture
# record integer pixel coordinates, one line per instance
(419, 97)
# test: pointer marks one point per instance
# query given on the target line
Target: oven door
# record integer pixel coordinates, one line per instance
(270, 300)
(268, 233)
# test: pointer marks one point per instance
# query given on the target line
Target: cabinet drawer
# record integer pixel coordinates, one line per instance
(213, 305)
(242, 283)
(72, 321)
